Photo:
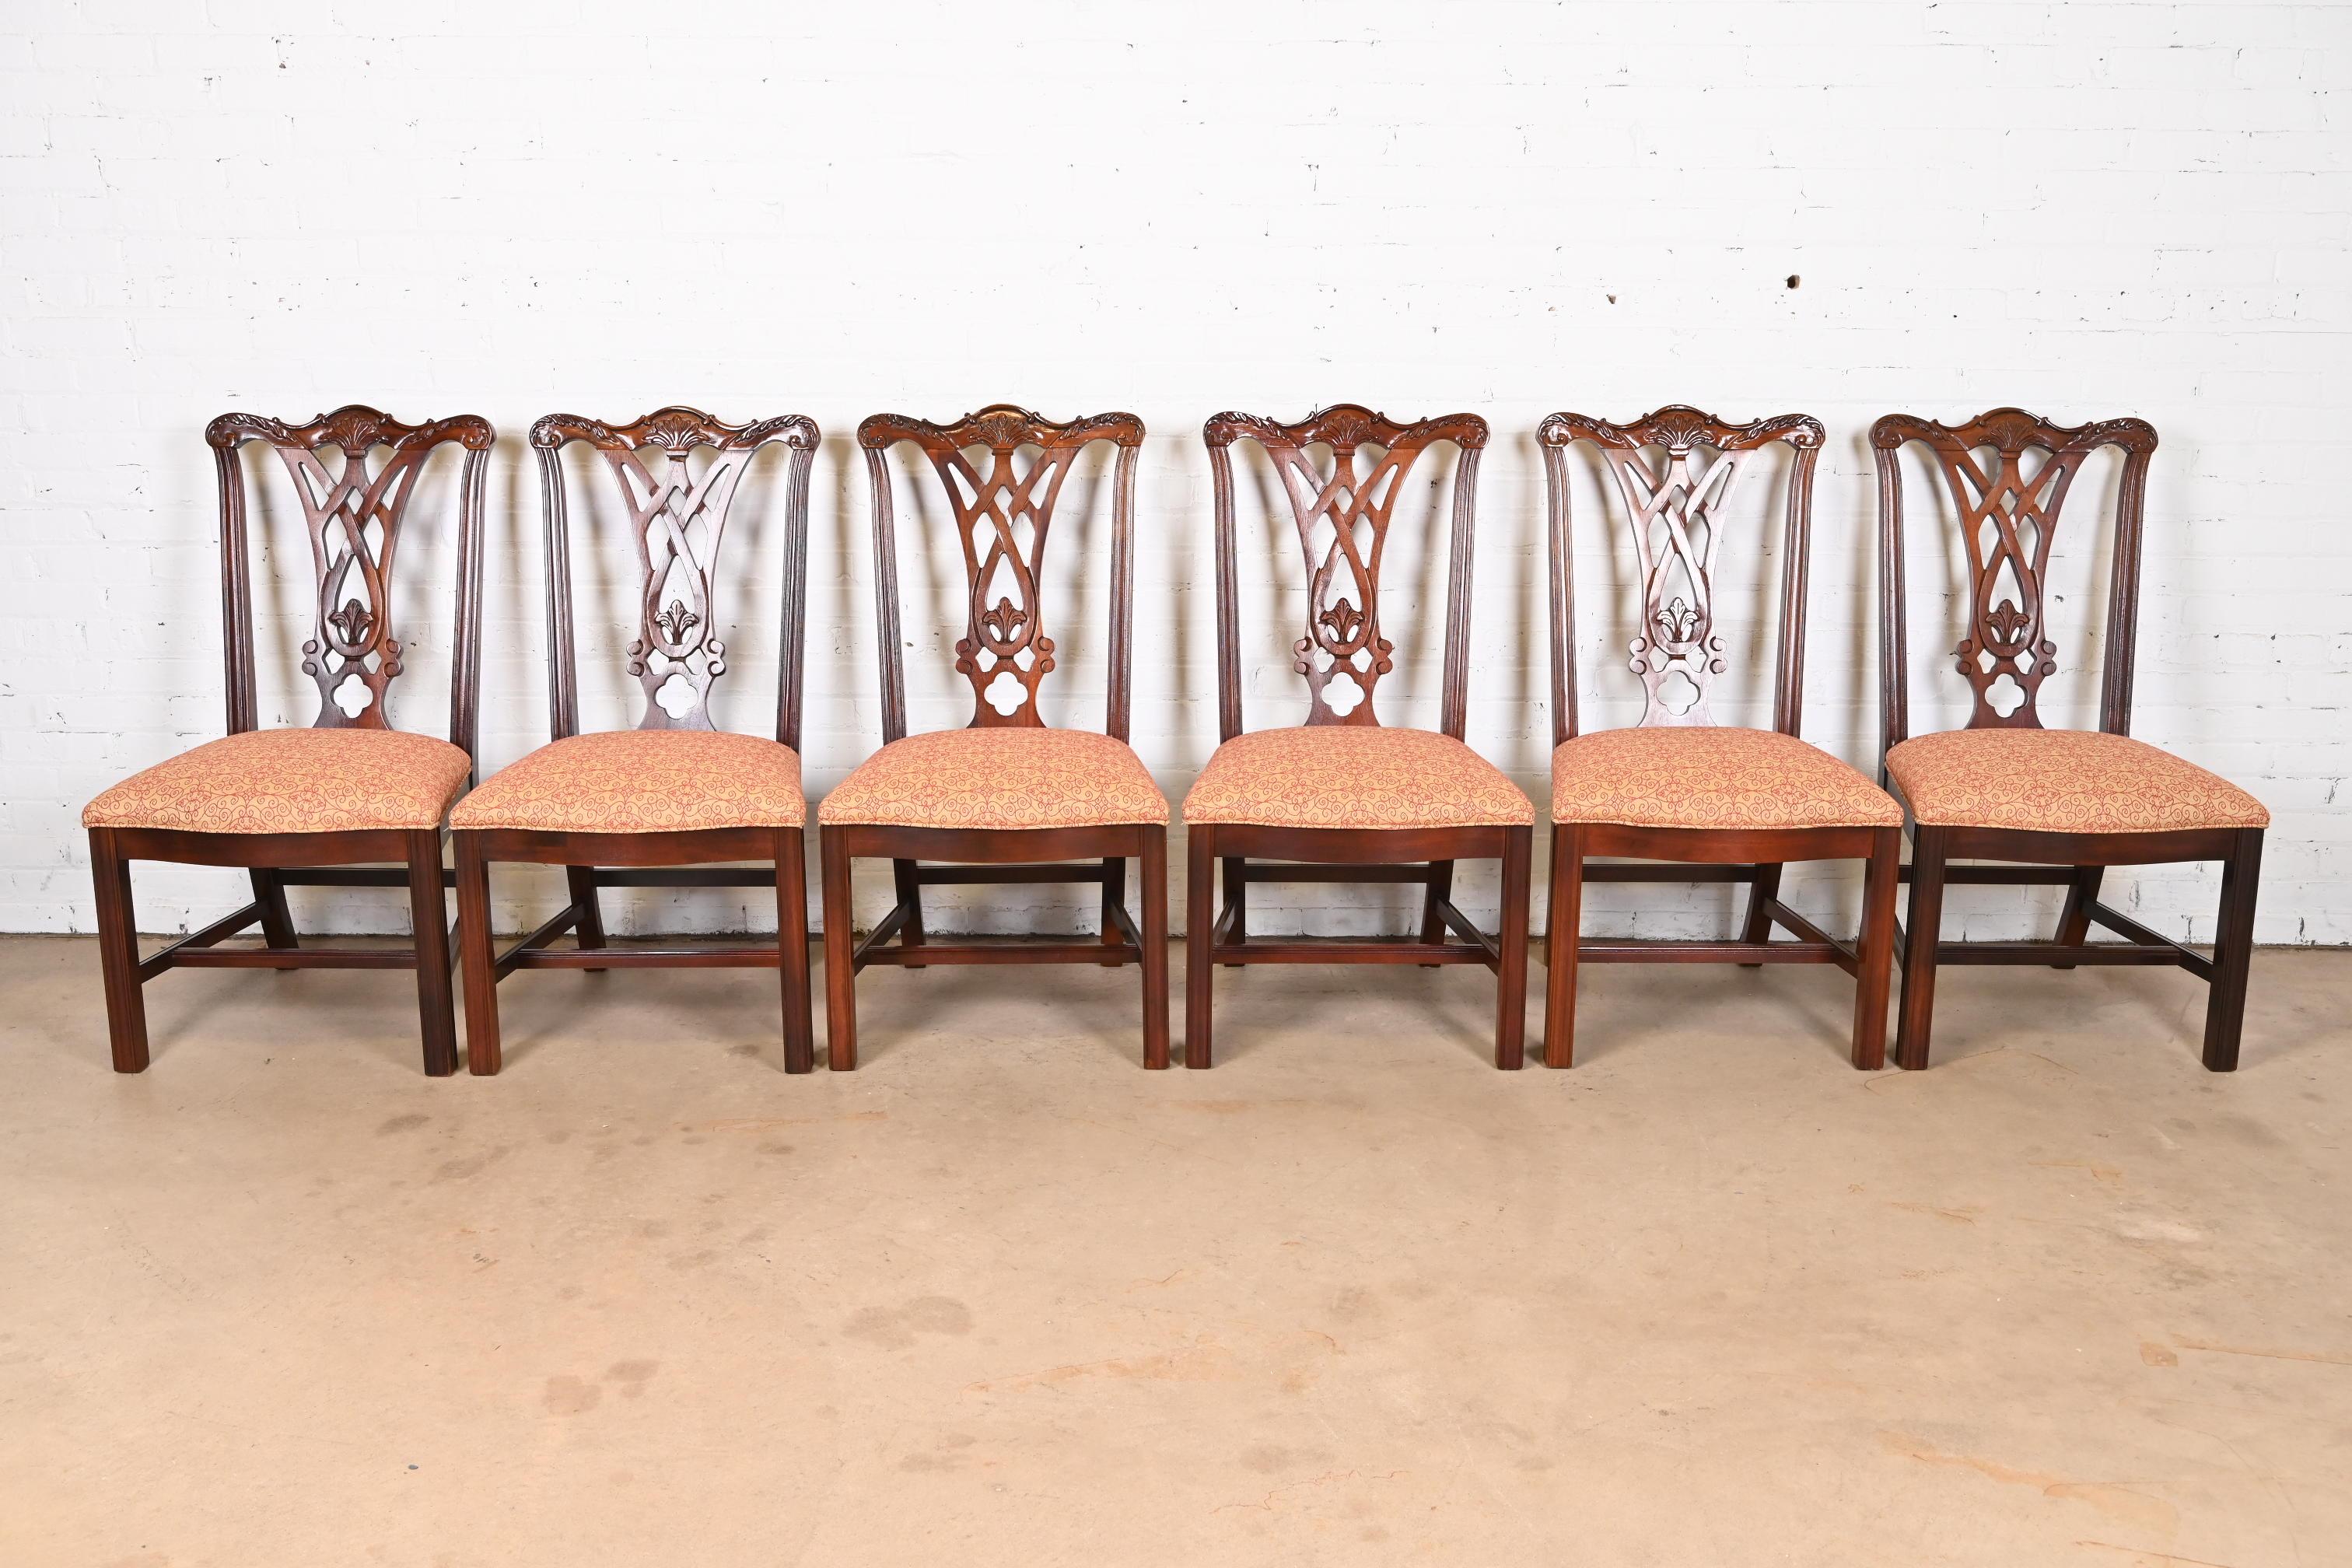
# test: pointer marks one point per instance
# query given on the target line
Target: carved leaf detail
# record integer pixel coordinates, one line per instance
(1678, 622)
(1342, 619)
(353, 622)
(1003, 618)
(677, 621)
(2006, 620)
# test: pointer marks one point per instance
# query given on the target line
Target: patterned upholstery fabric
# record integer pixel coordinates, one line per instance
(1711, 778)
(1338, 776)
(2062, 781)
(999, 778)
(643, 780)
(291, 781)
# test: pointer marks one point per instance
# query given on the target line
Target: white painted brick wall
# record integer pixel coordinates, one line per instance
(2089, 209)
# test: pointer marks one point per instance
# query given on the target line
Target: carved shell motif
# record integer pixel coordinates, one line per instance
(355, 430)
(675, 430)
(1001, 432)
(2010, 430)
(1679, 429)
(1346, 428)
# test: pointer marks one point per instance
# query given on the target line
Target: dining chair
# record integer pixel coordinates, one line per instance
(1683, 796)
(324, 807)
(2055, 808)
(667, 803)
(1341, 798)
(1007, 799)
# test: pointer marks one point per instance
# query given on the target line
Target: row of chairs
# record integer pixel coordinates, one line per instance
(1339, 798)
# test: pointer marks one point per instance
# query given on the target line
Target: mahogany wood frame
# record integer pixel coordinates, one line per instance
(671, 638)
(1007, 638)
(1678, 634)
(351, 640)
(2008, 637)
(1343, 638)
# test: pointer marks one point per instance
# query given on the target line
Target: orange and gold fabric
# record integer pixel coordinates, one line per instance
(1711, 777)
(2062, 781)
(998, 778)
(1346, 775)
(291, 781)
(643, 780)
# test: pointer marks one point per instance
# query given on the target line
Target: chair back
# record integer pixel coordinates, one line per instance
(1676, 471)
(1002, 514)
(676, 504)
(353, 513)
(1342, 508)
(2007, 517)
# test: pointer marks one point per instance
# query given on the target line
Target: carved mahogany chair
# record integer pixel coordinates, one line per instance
(1341, 798)
(328, 806)
(1007, 799)
(1716, 802)
(664, 804)
(2059, 805)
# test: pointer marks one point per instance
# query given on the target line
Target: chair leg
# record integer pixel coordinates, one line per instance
(276, 919)
(2233, 950)
(118, 953)
(1761, 891)
(588, 919)
(1200, 937)
(478, 951)
(429, 918)
(1567, 914)
(1511, 971)
(1154, 929)
(840, 946)
(1436, 891)
(1921, 932)
(792, 949)
(910, 894)
(2074, 920)
(1237, 899)
(1114, 894)
(1874, 953)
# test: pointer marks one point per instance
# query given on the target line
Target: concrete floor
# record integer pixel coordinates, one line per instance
(1001, 1296)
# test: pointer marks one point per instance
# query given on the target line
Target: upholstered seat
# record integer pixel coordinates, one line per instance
(1711, 777)
(643, 780)
(2062, 781)
(998, 778)
(291, 781)
(1336, 775)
